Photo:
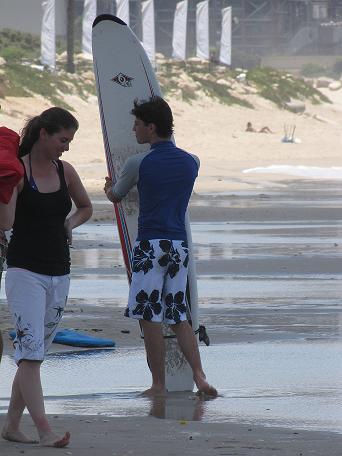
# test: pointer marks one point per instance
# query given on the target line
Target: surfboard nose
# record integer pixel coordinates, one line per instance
(108, 17)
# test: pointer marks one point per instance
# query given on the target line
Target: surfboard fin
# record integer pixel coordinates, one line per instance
(202, 335)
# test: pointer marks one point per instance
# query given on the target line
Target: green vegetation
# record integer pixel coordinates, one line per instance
(192, 79)
(21, 80)
(22, 75)
(244, 60)
(281, 87)
(313, 70)
(337, 68)
(16, 45)
(219, 92)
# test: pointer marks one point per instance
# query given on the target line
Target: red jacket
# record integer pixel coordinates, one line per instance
(11, 168)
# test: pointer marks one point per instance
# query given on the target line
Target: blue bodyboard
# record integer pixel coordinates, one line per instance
(76, 339)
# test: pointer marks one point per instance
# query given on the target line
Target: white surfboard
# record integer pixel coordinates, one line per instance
(124, 73)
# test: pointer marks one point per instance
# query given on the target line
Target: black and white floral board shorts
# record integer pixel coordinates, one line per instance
(36, 302)
(158, 288)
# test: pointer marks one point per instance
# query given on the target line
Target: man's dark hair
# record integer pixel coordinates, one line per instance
(155, 111)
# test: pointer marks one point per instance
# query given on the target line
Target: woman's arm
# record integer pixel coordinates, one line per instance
(80, 198)
(7, 212)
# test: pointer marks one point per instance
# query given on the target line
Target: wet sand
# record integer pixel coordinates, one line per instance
(103, 436)
(274, 238)
(276, 280)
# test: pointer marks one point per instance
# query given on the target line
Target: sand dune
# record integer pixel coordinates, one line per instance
(213, 131)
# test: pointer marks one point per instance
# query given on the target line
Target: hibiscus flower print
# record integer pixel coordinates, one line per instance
(170, 257)
(142, 257)
(175, 306)
(147, 306)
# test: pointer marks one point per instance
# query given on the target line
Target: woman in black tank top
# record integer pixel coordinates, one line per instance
(38, 260)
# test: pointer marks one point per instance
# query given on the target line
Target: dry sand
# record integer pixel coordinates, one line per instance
(216, 134)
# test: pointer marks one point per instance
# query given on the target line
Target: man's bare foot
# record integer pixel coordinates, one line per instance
(16, 436)
(154, 392)
(204, 387)
(52, 440)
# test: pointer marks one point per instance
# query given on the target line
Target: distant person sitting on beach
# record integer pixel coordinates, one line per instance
(165, 176)
(250, 128)
(38, 261)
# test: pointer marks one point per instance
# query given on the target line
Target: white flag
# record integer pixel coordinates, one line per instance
(47, 38)
(122, 10)
(202, 30)
(179, 31)
(89, 14)
(226, 36)
(147, 9)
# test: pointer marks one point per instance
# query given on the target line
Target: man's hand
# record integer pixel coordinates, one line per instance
(108, 184)
(108, 190)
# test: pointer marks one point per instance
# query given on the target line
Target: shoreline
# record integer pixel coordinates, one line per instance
(319, 201)
(106, 436)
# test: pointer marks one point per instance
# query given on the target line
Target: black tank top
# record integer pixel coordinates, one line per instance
(38, 242)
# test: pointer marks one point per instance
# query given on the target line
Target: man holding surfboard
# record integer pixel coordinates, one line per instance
(164, 176)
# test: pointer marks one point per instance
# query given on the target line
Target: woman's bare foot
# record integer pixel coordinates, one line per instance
(16, 436)
(52, 440)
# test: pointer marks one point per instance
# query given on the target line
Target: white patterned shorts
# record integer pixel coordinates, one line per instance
(36, 303)
(158, 288)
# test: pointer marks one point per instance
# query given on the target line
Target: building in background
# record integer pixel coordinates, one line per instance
(259, 27)
(287, 27)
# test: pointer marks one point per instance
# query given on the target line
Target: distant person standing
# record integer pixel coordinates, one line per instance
(165, 176)
(38, 261)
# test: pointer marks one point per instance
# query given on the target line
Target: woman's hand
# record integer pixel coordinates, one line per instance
(68, 231)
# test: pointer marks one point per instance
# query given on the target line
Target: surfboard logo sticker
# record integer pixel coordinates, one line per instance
(123, 80)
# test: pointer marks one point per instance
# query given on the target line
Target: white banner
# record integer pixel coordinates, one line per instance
(122, 10)
(202, 30)
(89, 14)
(47, 37)
(226, 36)
(147, 10)
(179, 31)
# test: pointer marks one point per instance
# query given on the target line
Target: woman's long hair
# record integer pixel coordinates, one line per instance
(52, 120)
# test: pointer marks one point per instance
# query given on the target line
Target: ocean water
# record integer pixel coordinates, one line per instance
(313, 172)
(283, 382)
(296, 385)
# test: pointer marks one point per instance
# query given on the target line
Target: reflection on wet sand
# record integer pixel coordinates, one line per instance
(178, 406)
(295, 384)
